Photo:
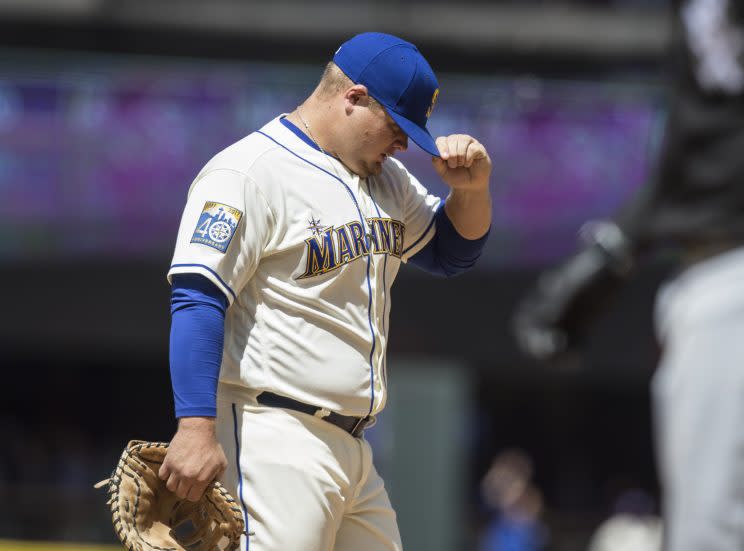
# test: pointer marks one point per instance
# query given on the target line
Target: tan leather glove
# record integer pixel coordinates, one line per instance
(146, 515)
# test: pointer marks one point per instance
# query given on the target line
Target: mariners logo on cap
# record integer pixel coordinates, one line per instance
(216, 225)
(433, 103)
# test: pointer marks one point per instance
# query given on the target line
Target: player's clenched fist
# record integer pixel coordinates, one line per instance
(194, 458)
(464, 163)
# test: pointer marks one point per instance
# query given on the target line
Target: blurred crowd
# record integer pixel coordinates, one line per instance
(46, 482)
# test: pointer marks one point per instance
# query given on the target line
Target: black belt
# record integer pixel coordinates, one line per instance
(353, 425)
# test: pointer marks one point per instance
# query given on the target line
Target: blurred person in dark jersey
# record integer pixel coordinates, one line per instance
(695, 206)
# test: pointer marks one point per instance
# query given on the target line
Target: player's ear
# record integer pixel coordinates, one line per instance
(356, 95)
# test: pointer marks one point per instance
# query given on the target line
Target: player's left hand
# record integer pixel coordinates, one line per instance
(194, 458)
(464, 164)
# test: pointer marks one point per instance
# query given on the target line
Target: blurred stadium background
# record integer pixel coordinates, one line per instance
(109, 108)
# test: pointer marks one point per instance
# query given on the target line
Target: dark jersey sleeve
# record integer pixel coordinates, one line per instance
(448, 253)
(697, 194)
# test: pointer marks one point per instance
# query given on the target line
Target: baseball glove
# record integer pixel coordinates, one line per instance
(147, 516)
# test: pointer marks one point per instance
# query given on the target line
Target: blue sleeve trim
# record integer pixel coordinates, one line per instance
(433, 218)
(197, 336)
(211, 271)
(448, 253)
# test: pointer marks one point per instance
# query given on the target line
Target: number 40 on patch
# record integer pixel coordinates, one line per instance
(216, 226)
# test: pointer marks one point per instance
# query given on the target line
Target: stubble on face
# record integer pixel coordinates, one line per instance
(372, 137)
(382, 139)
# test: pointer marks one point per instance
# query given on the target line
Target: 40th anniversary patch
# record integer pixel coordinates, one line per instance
(216, 226)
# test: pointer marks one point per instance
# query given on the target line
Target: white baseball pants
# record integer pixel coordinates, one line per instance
(698, 395)
(302, 483)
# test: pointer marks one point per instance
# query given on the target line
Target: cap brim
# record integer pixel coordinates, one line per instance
(419, 135)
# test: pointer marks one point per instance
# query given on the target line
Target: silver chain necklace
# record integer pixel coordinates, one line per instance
(325, 154)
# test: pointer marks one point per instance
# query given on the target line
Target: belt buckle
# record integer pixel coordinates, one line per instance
(322, 413)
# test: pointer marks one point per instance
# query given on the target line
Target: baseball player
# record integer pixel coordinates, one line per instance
(696, 205)
(288, 246)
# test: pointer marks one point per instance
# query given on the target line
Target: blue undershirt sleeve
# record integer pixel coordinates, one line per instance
(448, 253)
(196, 339)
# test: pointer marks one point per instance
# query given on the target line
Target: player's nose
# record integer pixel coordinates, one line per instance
(401, 143)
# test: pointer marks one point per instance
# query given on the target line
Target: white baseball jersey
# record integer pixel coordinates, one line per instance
(306, 253)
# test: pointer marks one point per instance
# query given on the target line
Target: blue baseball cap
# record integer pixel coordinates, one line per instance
(397, 76)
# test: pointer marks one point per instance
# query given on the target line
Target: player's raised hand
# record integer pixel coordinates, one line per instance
(464, 163)
(194, 459)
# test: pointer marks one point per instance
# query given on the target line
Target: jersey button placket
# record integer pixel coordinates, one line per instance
(369, 211)
(366, 211)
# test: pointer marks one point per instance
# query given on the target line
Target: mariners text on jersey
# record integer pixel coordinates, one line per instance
(333, 247)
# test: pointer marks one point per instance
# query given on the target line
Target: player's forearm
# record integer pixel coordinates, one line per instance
(197, 338)
(448, 253)
(470, 211)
